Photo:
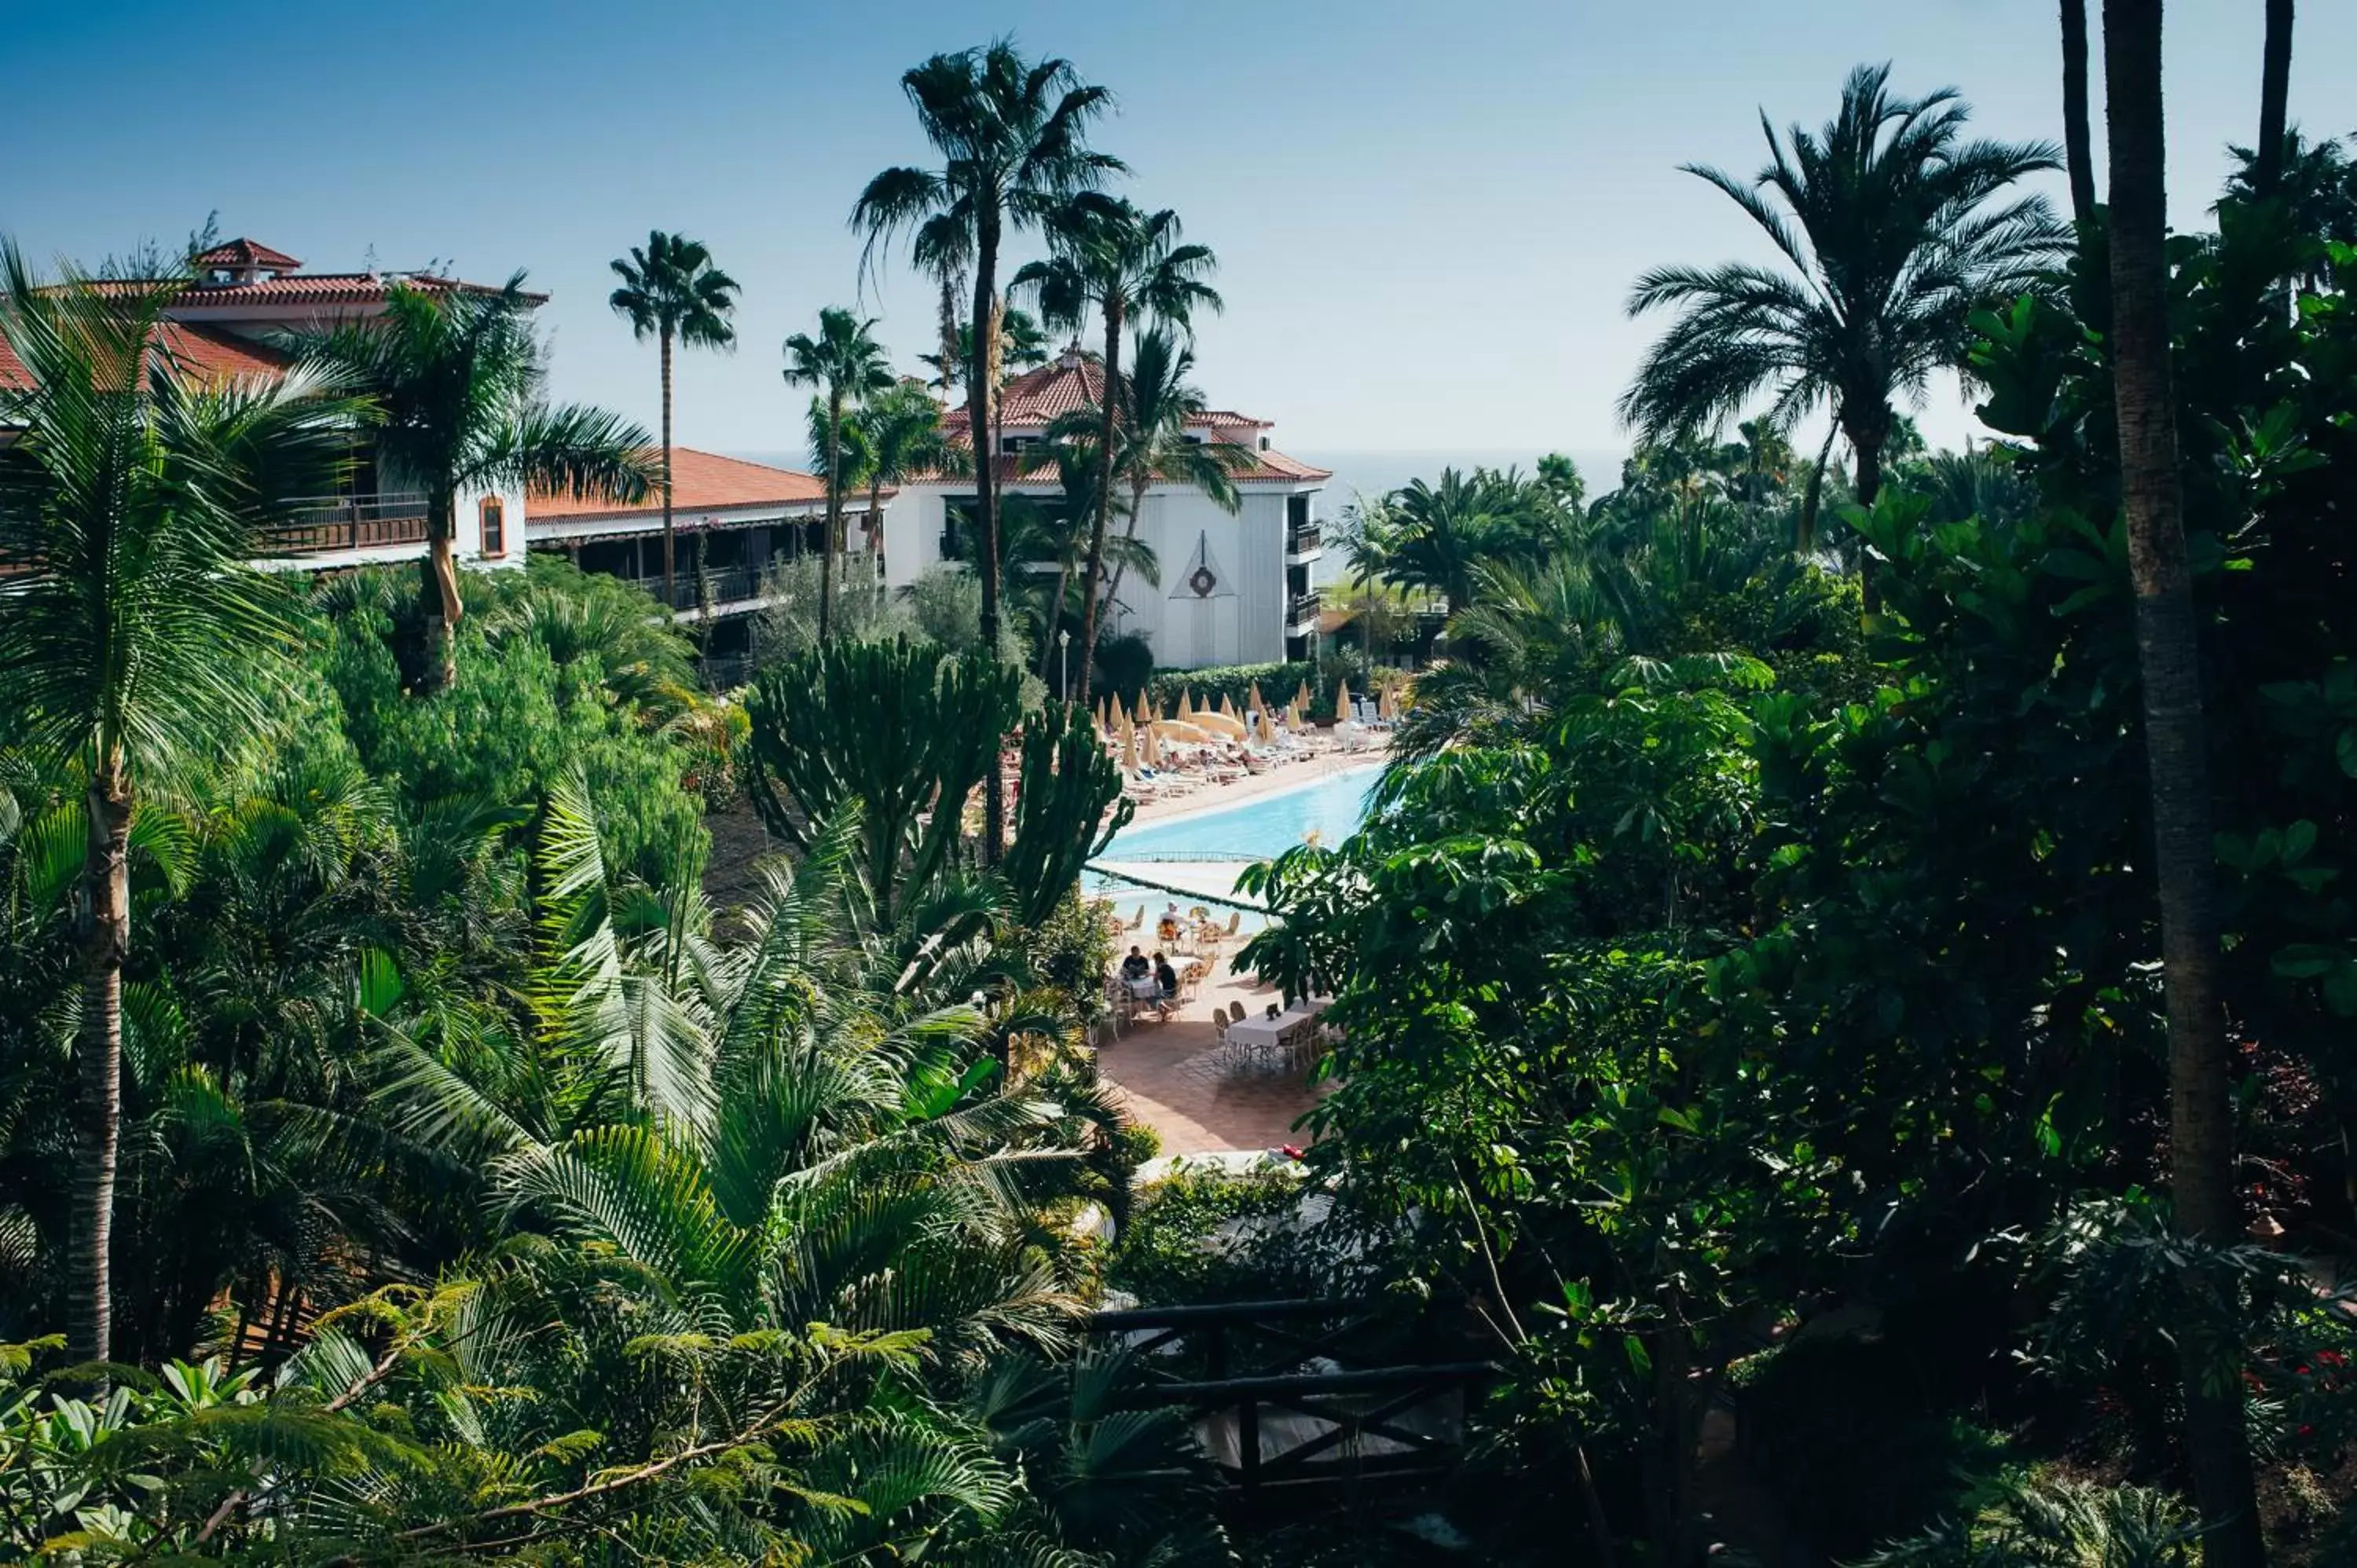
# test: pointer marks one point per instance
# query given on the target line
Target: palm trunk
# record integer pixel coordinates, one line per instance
(1056, 622)
(670, 598)
(2275, 87)
(1869, 447)
(949, 328)
(985, 502)
(439, 596)
(875, 535)
(106, 941)
(2201, 1132)
(2078, 144)
(1129, 531)
(833, 509)
(1112, 315)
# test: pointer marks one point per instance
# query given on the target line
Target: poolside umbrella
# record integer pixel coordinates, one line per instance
(1227, 707)
(1186, 704)
(1128, 749)
(1301, 698)
(1342, 701)
(1259, 703)
(1153, 749)
(1144, 713)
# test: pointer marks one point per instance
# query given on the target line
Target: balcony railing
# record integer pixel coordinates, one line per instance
(347, 522)
(1304, 607)
(720, 585)
(1301, 539)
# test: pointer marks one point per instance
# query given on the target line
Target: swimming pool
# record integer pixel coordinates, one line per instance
(1261, 828)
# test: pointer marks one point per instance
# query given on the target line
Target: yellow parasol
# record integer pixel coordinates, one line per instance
(1259, 703)
(1144, 713)
(1267, 729)
(1227, 707)
(1186, 705)
(1219, 724)
(1153, 749)
(1342, 701)
(1301, 698)
(1128, 748)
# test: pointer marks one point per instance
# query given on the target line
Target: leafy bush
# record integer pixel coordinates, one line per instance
(516, 718)
(1210, 1238)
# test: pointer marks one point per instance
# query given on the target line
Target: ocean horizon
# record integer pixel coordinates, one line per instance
(1373, 471)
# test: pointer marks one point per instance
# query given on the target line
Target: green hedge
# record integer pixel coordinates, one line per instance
(1235, 681)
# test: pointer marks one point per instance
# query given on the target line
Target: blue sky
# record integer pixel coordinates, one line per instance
(1427, 216)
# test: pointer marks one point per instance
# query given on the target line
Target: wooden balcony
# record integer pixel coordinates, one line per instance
(330, 524)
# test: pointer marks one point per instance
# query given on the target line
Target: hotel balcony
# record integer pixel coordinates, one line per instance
(1302, 545)
(1301, 613)
(337, 524)
(729, 590)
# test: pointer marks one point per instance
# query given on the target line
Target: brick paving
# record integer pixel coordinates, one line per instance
(1177, 1078)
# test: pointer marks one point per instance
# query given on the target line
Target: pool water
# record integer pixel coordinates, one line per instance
(1261, 828)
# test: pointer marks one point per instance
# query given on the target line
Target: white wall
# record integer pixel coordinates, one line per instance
(1242, 623)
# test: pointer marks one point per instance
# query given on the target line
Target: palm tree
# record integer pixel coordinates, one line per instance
(1896, 229)
(1439, 537)
(2275, 87)
(2077, 143)
(1112, 256)
(129, 502)
(903, 435)
(847, 363)
(2169, 658)
(1163, 407)
(1013, 139)
(455, 380)
(671, 290)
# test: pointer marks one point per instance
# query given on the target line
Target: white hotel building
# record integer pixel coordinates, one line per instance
(1236, 586)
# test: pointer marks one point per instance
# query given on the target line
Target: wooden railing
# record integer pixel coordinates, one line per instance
(1302, 538)
(1236, 1364)
(1304, 607)
(347, 522)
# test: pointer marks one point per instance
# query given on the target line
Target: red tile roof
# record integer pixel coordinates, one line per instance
(329, 288)
(206, 353)
(1039, 397)
(701, 481)
(244, 252)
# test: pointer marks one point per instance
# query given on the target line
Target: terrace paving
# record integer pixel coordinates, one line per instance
(1176, 1078)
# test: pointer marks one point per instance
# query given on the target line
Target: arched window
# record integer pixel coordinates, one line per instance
(495, 527)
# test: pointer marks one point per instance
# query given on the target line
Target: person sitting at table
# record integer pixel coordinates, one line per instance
(1166, 977)
(1135, 966)
(1166, 929)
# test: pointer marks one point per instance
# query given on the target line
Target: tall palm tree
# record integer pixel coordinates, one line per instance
(1110, 255)
(1156, 444)
(671, 291)
(455, 380)
(902, 431)
(1012, 135)
(847, 364)
(2078, 144)
(2168, 658)
(129, 622)
(2274, 88)
(1439, 537)
(1896, 229)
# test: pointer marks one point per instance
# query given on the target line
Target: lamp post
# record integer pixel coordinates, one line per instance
(1064, 665)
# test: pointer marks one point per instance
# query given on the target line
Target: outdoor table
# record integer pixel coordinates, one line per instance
(1263, 1032)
